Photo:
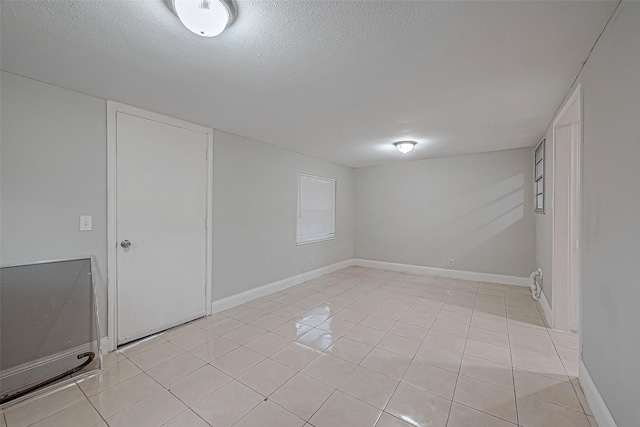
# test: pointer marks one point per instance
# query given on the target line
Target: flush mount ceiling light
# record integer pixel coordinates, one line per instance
(404, 146)
(206, 18)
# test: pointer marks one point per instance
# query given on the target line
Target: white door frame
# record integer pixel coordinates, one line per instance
(112, 240)
(561, 301)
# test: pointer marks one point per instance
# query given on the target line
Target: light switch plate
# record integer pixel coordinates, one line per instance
(86, 223)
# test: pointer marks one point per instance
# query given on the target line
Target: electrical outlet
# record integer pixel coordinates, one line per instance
(451, 262)
(311, 261)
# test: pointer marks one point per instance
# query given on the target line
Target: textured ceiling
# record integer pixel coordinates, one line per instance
(336, 80)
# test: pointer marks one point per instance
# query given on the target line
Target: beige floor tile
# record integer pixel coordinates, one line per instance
(296, 355)
(268, 414)
(537, 413)
(485, 397)
(79, 415)
(350, 316)
(244, 334)
(112, 358)
(409, 331)
(318, 339)
(179, 331)
(418, 407)
(548, 389)
(211, 350)
(267, 376)
(41, 407)
(345, 411)
(442, 357)
(387, 420)
(350, 350)
(155, 410)
(156, 356)
(381, 323)
(142, 345)
(563, 339)
(463, 416)
(268, 344)
(336, 327)
(491, 337)
(365, 335)
(302, 395)
(3, 423)
(487, 371)
(386, 363)
(268, 322)
(292, 329)
(370, 387)
(495, 353)
(399, 345)
(580, 393)
(198, 385)
(533, 362)
(125, 394)
(490, 325)
(329, 369)
(592, 421)
(238, 361)
(431, 378)
(228, 405)
(175, 369)
(187, 419)
(224, 326)
(109, 377)
(193, 339)
(249, 315)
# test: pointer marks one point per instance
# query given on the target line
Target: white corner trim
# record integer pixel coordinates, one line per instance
(444, 272)
(594, 399)
(546, 309)
(269, 288)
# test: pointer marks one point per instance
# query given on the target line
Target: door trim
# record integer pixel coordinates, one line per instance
(560, 300)
(112, 289)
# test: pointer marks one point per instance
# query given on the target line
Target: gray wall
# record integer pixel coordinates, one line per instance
(611, 216)
(53, 169)
(476, 209)
(255, 207)
(53, 154)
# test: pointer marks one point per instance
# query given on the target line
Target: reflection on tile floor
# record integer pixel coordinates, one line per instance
(356, 348)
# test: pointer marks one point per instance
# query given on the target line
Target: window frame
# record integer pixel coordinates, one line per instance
(320, 238)
(536, 179)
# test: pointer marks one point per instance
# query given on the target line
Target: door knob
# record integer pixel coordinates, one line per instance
(125, 244)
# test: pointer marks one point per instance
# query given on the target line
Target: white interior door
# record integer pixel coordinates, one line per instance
(161, 205)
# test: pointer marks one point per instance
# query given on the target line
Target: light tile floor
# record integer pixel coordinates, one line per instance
(356, 348)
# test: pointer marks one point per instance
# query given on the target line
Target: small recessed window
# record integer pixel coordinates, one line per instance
(316, 209)
(538, 182)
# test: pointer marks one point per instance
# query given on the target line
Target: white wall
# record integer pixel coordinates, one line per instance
(476, 209)
(53, 154)
(255, 198)
(53, 169)
(610, 288)
(611, 216)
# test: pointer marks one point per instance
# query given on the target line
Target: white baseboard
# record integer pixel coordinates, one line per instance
(261, 291)
(594, 399)
(546, 309)
(444, 272)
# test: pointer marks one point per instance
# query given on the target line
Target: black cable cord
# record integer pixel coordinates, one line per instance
(91, 355)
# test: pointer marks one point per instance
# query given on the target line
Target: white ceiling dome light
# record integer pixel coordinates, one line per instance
(405, 146)
(206, 18)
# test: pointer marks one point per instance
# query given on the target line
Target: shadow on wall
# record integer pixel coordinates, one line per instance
(488, 212)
